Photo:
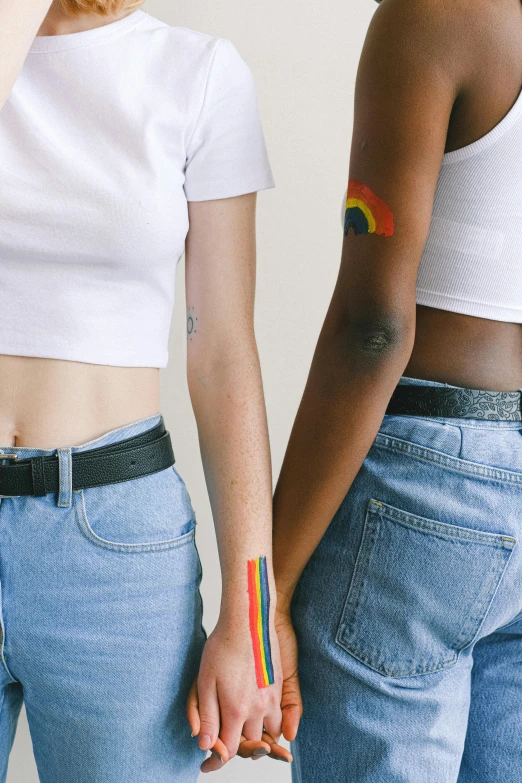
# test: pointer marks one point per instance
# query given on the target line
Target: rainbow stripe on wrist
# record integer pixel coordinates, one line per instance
(259, 613)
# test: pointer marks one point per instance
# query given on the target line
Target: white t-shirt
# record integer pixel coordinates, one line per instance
(106, 135)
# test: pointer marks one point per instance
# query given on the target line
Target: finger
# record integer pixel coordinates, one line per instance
(292, 707)
(291, 718)
(217, 759)
(231, 729)
(219, 750)
(211, 764)
(208, 715)
(253, 729)
(273, 722)
(192, 709)
(250, 748)
(277, 751)
(246, 747)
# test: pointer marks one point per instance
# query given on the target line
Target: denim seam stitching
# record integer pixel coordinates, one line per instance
(200, 597)
(3, 651)
(441, 529)
(418, 671)
(353, 599)
(501, 570)
(459, 422)
(90, 535)
(470, 628)
(464, 467)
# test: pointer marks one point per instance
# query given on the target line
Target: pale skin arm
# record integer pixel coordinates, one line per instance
(407, 83)
(19, 23)
(225, 387)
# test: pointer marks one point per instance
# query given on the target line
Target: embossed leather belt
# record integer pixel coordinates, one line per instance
(127, 459)
(459, 402)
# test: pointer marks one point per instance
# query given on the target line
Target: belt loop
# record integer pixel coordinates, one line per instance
(65, 476)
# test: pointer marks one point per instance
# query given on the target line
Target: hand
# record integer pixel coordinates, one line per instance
(225, 702)
(291, 701)
(276, 751)
(267, 746)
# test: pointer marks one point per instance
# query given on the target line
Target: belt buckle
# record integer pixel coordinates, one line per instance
(9, 456)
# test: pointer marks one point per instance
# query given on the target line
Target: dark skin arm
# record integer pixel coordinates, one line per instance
(407, 84)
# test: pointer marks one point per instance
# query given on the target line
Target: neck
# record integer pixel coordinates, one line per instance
(58, 23)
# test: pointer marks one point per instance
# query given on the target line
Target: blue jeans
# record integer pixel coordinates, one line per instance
(101, 624)
(409, 613)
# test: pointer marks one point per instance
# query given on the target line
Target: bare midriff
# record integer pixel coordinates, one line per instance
(51, 403)
(466, 351)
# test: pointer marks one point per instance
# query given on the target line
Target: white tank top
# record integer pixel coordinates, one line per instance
(472, 260)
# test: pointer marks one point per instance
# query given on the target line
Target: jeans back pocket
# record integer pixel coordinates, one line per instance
(419, 592)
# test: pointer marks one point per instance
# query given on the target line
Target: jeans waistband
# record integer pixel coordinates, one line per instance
(422, 382)
(64, 453)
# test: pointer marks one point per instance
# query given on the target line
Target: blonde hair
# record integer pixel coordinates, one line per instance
(101, 7)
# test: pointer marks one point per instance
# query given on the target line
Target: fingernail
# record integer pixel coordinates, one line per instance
(282, 758)
(204, 742)
(215, 753)
(260, 752)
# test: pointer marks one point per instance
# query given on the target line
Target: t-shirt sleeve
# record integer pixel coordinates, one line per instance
(226, 154)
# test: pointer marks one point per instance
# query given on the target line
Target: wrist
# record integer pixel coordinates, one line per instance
(234, 611)
(235, 592)
(285, 593)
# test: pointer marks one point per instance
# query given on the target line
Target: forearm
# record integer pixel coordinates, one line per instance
(19, 23)
(342, 408)
(228, 402)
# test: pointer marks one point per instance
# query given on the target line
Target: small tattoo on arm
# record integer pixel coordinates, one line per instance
(259, 613)
(366, 213)
(192, 322)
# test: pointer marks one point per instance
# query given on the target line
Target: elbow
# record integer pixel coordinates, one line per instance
(376, 339)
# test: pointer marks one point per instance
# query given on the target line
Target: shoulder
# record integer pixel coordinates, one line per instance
(426, 18)
(439, 33)
(191, 47)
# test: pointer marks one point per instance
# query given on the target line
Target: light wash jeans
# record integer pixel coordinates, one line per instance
(409, 614)
(101, 625)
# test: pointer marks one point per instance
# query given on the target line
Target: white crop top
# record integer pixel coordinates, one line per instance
(106, 135)
(472, 260)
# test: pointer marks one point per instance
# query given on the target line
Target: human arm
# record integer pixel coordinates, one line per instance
(225, 387)
(408, 79)
(19, 23)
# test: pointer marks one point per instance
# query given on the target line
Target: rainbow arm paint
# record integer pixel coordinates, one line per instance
(366, 213)
(259, 615)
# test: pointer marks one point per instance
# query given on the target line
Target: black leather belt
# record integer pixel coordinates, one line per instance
(459, 402)
(140, 455)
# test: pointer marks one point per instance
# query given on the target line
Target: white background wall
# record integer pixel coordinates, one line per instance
(304, 55)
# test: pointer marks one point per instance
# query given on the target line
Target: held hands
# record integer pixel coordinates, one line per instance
(228, 711)
(225, 700)
(266, 746)
(226, 707)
